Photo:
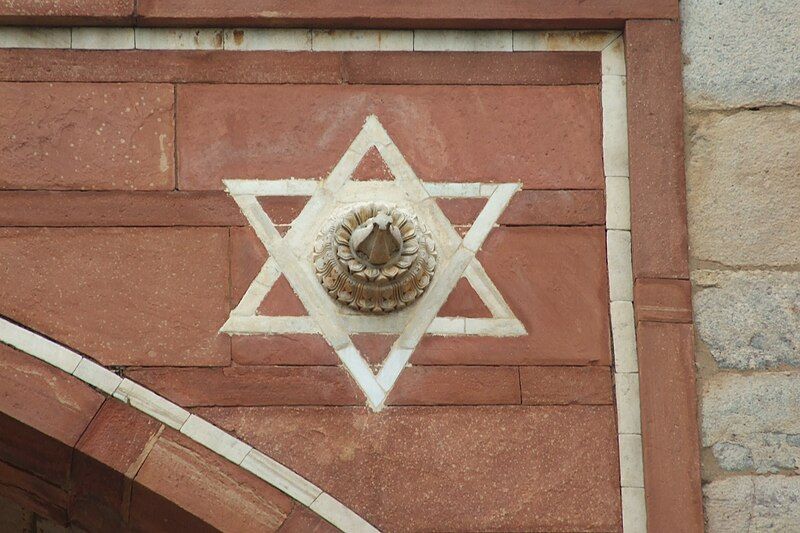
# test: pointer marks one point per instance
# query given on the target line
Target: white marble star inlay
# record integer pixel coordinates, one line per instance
(290, 255)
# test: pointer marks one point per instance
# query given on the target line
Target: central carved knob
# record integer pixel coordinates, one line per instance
(377, 240)
(374, 258)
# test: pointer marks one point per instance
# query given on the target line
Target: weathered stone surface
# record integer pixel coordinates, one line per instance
(303, 520)
(751, 421)
(535, 207)
(749, 319)
(671, 450)
(558, 289)
(655, 139)
(175, 66)
(389, 14)
(529, 468)
(146, 296)
(454, 385)
(663, 300)
(118, 208)
(738, 52)
(43, 412)
(86, 136)
(59, 12)
(565, 385)
(106, 459)
(289, 385)
(472, 68)
(298, 349)
(445, 133)
(180, 480)
(14, 517)
(743, 181)
(33, 493)
(760, 452)
(753, 503)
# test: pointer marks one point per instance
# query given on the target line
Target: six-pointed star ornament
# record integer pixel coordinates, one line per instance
(291, 255)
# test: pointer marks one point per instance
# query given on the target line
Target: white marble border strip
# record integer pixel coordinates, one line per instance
(620, 282)
(615, 156)
(194, 427)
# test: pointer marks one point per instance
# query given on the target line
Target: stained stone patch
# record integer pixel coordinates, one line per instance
(743, 186)
(749, 320)
(753, 503)
(748, 423)
(759, 452)
(739, 52)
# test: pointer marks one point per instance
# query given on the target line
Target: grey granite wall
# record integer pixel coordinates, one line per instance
(742, 85)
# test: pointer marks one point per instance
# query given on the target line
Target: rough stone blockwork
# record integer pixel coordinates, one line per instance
(742, 89)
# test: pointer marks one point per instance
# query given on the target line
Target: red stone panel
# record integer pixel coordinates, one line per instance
(655, 132)
(450, 468)
(391, 14)
(540, 208)
(663, 300)
(174, 66)
(445, 133)
(282, 350)
(295, 385)
(469, 68)
(43, 412)
(555, 281)
(117, 208)
(106, 459)
(147, 296)
(86, 136)
(65, 12)
(302, 520)
(670, 435)
(566, 385)
(456, 385)
(184, 487)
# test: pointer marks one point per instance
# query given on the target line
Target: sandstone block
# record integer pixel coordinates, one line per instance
(104, 463)
(655, 139)
(49, 12)
(749, 423)
(749, 319)
(466, 385)
(147, 296)
(736, 52)
(472, 68)
(753, 503)
(86, 136)
(155, 66)
(566, 385)
(181, 484)
(43, 412)
(445, 133)
(559, 291)
(743, 186)
(289, 385)
(405, 469)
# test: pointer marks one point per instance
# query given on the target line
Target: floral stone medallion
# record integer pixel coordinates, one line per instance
(375, 258)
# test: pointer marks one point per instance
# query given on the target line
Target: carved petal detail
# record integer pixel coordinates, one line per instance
(407, 258)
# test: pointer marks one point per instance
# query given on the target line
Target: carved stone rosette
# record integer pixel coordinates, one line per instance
(375, 258)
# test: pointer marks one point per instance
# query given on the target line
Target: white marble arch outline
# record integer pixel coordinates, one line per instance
(191, 425)
(609, 43)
